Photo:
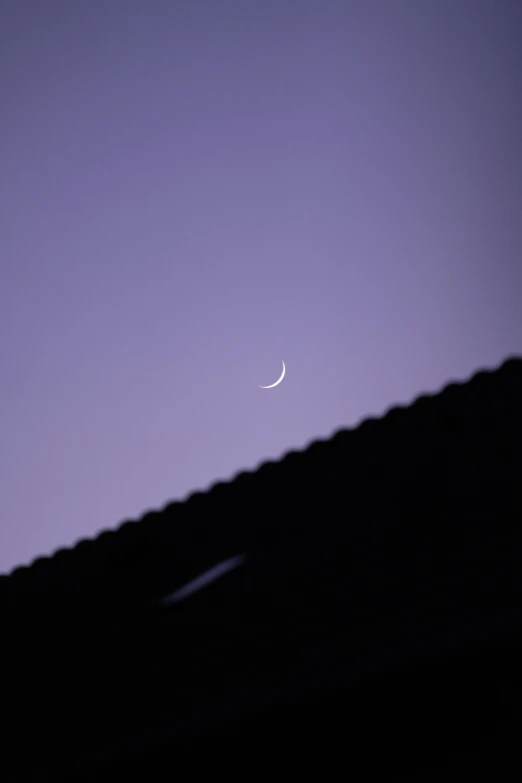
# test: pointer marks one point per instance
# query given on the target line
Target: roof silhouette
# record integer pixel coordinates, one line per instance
(359, 600)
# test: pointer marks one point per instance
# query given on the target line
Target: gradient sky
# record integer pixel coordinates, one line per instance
(192, 191)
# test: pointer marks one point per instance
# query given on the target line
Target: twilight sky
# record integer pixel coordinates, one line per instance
(192, 191)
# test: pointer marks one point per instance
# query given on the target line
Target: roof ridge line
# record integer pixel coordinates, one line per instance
(126, 524)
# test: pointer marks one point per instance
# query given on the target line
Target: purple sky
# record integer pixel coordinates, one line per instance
(192, 191)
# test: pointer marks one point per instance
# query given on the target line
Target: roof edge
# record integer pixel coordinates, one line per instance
(126, 524)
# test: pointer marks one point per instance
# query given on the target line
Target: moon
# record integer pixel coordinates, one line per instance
(278, 380)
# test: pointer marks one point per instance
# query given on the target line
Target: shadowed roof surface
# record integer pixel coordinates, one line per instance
(373, 583)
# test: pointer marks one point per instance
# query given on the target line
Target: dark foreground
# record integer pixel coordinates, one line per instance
(374, 627)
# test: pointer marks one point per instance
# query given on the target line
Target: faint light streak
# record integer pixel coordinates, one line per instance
(203, 580)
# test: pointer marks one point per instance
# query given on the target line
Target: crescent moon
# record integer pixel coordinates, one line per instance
(278, 380)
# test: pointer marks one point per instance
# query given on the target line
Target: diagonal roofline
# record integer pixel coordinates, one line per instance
(131, 534)
(379, 567)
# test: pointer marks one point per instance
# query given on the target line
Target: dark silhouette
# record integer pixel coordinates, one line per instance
(369, 616)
